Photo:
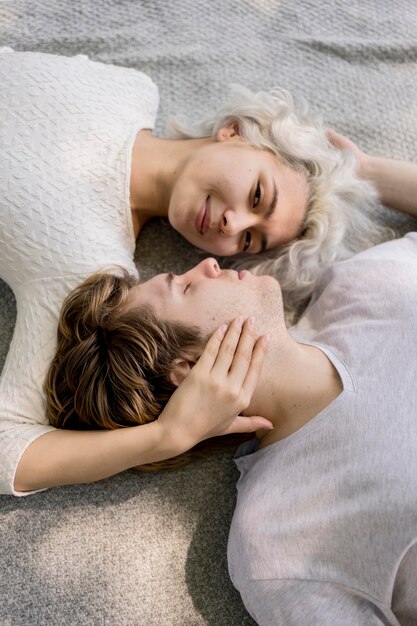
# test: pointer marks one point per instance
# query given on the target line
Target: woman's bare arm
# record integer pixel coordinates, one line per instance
(65, 457)
(396, 181)
(207, 404)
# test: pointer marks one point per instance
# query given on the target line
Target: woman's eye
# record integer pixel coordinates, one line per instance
(257, 196)
(248, 239)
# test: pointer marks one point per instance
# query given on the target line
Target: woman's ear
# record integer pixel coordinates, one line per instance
(229, 132)
(180, 370)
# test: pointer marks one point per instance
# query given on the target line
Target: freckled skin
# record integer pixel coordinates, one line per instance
(224, 174)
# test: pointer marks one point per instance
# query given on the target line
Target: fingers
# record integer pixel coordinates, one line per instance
(243, 354)
(221, 347)
(340, 141)
(255, 369)
(211, 351)
(335, 139)
(242, 424)
(235, 357)
(229, 347)
(330, 133)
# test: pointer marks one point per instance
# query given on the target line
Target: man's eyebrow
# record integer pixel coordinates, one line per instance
(268, 214)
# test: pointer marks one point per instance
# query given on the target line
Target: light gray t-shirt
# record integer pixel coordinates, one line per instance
(325, 526)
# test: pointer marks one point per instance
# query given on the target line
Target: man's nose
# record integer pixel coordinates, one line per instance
(209, 268)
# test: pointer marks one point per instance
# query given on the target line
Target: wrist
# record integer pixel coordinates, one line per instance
(368, 168)
(148, 443)
(170, 439)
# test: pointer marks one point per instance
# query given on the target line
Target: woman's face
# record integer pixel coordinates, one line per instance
(230, 197)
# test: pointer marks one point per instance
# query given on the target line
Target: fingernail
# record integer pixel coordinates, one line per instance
(239, 320)
(266, 340)
(252, 322)
(223, 329)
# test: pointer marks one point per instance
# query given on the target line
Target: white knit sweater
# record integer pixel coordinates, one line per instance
(67, 127)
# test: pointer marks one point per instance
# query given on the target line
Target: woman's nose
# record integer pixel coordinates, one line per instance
(234, 222)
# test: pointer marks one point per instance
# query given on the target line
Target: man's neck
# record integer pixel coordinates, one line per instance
(299, 382)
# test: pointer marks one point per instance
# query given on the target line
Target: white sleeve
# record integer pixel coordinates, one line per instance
(22, 401)
(295, 602)
(14, 439)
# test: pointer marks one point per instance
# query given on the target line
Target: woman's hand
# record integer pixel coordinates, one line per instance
(209, 402)
(395, 181)
(343, 143)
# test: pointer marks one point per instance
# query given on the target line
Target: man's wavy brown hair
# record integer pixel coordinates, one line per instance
(112, 363)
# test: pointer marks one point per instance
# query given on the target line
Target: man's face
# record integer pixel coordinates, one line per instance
(207, 297)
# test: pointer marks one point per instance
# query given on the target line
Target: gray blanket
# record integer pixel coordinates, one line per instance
(151, 549)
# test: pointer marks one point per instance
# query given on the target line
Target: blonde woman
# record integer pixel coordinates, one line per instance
(258, 181)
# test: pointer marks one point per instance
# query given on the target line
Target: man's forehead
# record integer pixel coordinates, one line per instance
(149, 291)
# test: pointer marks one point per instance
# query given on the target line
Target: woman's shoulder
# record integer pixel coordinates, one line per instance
(43, 68)
(65, 99)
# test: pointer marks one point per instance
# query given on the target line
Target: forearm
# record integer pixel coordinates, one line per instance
(396, 182)
(65, 457)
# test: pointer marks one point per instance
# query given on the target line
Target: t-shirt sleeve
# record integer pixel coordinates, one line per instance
(404, 597)
(403, 249)
(295, 602)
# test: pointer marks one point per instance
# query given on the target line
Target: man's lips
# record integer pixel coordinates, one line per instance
(202, 221)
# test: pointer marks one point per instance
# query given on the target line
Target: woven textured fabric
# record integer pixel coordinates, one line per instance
(66, 135)
(150, 550)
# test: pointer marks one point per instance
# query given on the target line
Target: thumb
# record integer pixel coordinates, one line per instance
(243, 424)
(333, 137)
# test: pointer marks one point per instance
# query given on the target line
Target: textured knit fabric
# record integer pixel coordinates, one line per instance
(67, 127)
(325, 528)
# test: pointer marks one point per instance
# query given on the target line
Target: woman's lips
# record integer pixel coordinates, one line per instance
(202, 221)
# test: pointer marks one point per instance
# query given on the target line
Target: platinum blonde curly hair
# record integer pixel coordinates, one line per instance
(342, 212)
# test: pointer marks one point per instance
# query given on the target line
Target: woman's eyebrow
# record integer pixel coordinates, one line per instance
(274, 201)
(169, 279)
(269, 213)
